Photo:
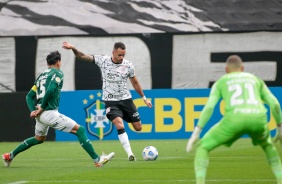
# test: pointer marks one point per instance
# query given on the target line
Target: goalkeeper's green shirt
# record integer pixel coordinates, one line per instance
(48, 88)
(244, 95)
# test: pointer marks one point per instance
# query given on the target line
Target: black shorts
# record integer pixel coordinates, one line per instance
(125, 109)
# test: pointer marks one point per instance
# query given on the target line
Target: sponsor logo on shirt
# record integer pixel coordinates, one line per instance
(115, 96)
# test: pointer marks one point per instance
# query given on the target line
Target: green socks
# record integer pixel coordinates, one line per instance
(81, 135)
(200, 164)
(85, 142)
(25, 145)
(274, 161)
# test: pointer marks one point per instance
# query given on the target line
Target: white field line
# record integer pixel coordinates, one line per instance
(160, 157)
(19, 182)
(146, 181)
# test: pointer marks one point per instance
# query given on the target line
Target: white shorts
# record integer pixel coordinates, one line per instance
(52, 118)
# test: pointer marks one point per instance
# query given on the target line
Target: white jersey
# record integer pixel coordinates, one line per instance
(114, 77)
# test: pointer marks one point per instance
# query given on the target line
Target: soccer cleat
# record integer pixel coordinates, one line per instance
(131, 158)
(6, 159)
(103, 159)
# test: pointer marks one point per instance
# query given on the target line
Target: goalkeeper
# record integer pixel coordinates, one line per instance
(243, 95)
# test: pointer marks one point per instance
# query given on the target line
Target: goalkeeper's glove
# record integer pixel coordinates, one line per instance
(193, 139)
(278, 136)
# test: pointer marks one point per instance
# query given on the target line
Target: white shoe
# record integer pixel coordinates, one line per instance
(131, 158)
(103, 159)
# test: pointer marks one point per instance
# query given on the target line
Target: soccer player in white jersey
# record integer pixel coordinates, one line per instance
(118, 100)
(46, 92)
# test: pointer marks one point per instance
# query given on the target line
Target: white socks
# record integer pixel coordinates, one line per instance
(125, 143)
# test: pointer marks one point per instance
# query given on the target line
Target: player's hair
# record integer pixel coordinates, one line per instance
(234, 61)
(119, 45)
(53, 57)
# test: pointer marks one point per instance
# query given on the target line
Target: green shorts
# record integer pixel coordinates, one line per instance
(229, 129)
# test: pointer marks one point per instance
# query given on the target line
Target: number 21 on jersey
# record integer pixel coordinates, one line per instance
(237, 94)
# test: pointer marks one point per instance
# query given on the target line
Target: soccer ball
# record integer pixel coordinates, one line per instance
(150, 153)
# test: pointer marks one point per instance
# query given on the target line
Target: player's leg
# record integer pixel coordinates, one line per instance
(123, 138)
(273, 160)
(218, 135)
(63, 123)
(131, 115)
(137, 125)
(41, 131)
(26, 144)
(201, 160)
(80, 132)
(115, 114)
(264, 140)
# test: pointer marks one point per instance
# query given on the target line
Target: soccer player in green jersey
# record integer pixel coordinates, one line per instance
(244, 95)
(43, 101)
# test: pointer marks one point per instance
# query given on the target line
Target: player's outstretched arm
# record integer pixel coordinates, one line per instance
(77, 53)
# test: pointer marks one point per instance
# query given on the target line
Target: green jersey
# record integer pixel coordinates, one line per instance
(48, 88)
(244, 95)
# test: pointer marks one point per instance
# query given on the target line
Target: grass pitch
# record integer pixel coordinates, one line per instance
(67, 162)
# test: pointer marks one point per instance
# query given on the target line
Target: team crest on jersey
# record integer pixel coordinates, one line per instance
(96, 121)
(58, 79)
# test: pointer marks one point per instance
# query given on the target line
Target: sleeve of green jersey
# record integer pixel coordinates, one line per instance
(209, 107)
(30, 97)
(272, 101)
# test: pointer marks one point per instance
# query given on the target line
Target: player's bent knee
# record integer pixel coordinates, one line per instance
(137, 126)
(39, 139)
(265, 144)
(81, 130)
